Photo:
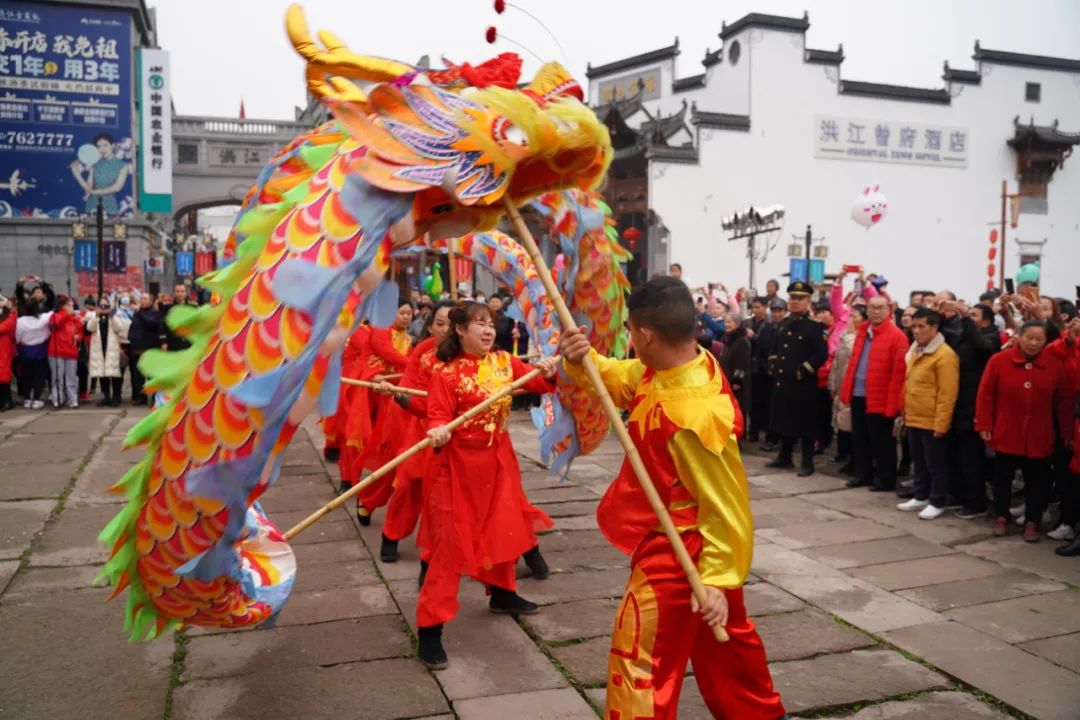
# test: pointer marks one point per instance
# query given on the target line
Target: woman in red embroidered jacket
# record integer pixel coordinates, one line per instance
(334, 425)
(412, 480)
(386, 353)
(482, 521)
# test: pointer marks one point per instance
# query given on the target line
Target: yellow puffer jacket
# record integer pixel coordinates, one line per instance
(930, 386)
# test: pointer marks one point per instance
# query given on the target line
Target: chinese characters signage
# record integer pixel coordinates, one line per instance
(65, 110)
(239, 155)
(185, 263)
(889, 141)
(648, 83)
(155, 132)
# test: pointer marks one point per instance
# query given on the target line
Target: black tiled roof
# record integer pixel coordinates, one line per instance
(713, 57)
(688, 83)
(1045, 133)
(726, 121)
(663, 129)
(626, 107)
(895, 92)
(688, 155)
(969, 77)
(631, 62)
(773, 22)
(1037, 61)
(825, 57)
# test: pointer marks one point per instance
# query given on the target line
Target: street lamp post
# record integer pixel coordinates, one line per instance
(749, 224)
(100, 249)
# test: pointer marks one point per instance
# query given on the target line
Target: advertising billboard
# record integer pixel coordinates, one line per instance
(65, 111)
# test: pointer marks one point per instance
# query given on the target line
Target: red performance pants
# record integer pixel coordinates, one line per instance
(656, 633)
(403, 510)
(438, 602)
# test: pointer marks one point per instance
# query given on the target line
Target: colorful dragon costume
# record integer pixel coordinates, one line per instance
(419, 152)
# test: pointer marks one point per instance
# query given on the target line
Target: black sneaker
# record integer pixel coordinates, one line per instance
(431, 651)
(805, 471)
(970, 513)
(507, 602)
(780, 463)
(388, 552)
(856, 483)
(536, 563)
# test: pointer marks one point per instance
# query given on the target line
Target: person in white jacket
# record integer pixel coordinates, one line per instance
(105, 331)
(32, 337)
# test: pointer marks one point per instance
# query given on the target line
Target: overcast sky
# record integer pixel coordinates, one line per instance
(225, 50)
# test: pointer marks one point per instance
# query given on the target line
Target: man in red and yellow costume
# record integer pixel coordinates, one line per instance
(682, 422)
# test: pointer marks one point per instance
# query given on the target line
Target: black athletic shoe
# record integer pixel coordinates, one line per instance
(805, 471)
(431, 651)
(970, 513)
(856, 483)
(507, 602)
(423, 574)
(780, 463)
(879, 488)
(343, 488)
(388, 552)
(1070, 550)
(536, 563)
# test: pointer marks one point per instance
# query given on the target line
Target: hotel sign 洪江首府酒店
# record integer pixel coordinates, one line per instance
(841, 138)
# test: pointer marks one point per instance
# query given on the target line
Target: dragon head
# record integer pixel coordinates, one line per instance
(458, 148)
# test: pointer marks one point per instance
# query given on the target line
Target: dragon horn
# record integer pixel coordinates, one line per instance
(328, 68)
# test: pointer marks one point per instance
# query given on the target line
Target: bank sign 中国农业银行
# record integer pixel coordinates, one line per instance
(65, 111)
(843, 138)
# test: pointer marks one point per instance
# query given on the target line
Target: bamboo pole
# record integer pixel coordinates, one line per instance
(390, 376)
(375, 386)
(451, 269)
(393, 464)
(614, 418)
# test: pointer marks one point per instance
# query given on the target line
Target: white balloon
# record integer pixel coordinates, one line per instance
(870, 207)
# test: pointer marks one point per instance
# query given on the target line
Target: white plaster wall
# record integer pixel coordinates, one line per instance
(936, 233)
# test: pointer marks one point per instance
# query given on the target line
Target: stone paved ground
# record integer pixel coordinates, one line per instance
(866, 613)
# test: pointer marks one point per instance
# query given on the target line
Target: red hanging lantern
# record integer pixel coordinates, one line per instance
(491, 35)
(990, 270)
(990, 284)
(500, 6)
(992, 253)
(631, 235)
(993, 236)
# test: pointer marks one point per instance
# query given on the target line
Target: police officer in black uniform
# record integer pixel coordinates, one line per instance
(801, 348)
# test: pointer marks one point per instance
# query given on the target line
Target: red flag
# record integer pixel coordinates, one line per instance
(243, 114)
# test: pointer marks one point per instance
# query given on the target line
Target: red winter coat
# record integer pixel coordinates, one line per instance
(7, 346)
(1067, 349)
(67, 333)
(1017, 402)
(884, 373)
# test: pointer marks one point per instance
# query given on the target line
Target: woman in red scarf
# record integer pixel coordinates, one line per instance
(384, 354)
(481, 519)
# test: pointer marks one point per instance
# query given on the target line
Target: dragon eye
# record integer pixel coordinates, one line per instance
(506, 131)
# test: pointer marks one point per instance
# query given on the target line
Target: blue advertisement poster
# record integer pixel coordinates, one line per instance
(65, 111)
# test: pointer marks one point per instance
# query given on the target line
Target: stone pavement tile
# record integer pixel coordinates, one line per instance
(1025, 618)
(258, 650)
(1005, 585)
(582, 522)
(563, 704)
(594, 558)
(7, 572)
(114, 450)
(19, 521)
(491, 654)
(787, 483)
(53, 667)
(800, 634)
(584, 585)
(39, 480)
(759, 493)
(764, 598)
(574, 620)
(539, 480)
(926, 571)
(782, 506)
(931, 706)
(875, 552)
(328, 576)
(32, 582)
(27, 448)
(376, 690)
(780, 520)
(559, 540)
(329, 552)
(324, 531)
(1037, 558)
(587, 661)
(287, 518)
(303, 497)
(844, 678)
(319, 606)
(569, 509)
(1020, 679)
(1063, 650)
(72, 538)
(14, 420)
(771, 559)
(562, 493)
(92, 426)
(813, 534)
(95, 480)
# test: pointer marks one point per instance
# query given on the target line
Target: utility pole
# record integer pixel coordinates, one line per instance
(1004, 200)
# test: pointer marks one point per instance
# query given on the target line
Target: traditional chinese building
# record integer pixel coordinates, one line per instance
(766, 120)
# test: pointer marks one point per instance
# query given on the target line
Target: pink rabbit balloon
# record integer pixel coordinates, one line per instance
(869, 207)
